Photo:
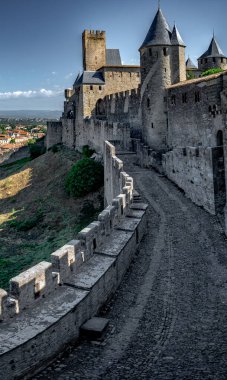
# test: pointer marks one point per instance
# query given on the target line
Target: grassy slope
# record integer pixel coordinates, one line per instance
(37, 217)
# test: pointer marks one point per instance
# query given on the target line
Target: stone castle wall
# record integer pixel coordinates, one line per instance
(47, 304)
(195, 112)
(192, 170)
(125, 107)
(117, 79)
(88, 132)
(54, 133)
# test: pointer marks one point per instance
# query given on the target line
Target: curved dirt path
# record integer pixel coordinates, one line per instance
(168, 320)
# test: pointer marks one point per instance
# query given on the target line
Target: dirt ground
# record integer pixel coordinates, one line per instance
(36, 215)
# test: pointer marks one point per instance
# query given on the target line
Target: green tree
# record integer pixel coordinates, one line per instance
(84, 177)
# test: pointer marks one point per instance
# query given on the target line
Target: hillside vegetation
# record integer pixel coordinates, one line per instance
(37, 216)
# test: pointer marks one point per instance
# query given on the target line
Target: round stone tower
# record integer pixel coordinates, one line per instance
(162, 64)
(213, 57)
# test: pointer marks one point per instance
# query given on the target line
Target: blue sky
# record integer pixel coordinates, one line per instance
(40, 40)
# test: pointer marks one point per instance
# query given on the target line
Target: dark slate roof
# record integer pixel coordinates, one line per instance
(113, 57)
(190, 65)
(176, 37)
(90, 77)
(214, 50)
(159, 32)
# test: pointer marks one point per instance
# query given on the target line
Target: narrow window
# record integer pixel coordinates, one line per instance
(91, 88)
(197, 96)
(214, 59)
(100, 88)
(148, 103)
(150, 52)
(94, 244)
(165, 52)
(152, 125)
(184, 97)
(173, 100)
(222, 60)
(206, 60)
(220, 138)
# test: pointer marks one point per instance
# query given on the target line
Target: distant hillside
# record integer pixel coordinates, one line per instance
(31, 114)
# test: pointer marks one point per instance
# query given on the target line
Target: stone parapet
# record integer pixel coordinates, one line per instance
(47, 304)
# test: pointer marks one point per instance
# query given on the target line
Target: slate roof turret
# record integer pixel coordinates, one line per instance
(176, 37)
(190, 65)
(159, 32)
(214, 50)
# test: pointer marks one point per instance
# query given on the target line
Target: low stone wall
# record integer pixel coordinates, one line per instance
(47, 304)
(94, 132)
(88, 132)
(191, 168)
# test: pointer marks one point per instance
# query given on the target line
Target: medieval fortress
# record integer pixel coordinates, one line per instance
(173, 124)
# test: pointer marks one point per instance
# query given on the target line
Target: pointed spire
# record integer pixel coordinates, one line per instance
(159, 32)
(190, 65)
(214, 50)
(176, 37)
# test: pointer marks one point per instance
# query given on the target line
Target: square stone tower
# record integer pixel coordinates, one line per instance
(94, 50)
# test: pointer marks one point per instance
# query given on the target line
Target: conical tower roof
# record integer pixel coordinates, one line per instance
(214, 50)
(176, 37)
(190, 65)
(159, 32)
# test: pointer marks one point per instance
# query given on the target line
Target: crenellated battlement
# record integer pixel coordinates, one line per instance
(95, 33)
(44, 279)
(47, 304)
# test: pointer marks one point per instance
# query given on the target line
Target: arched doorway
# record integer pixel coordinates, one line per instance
(219, 173)
(100, 108)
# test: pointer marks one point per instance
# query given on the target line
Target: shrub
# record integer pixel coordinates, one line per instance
(190, 75)
(87, 152)
(84, 177)
(28, 224)
(55, 148)
(211, 71)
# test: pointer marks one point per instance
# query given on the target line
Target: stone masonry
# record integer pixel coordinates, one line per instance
(180, 123)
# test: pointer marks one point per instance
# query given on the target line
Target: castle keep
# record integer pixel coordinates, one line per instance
(154, 110)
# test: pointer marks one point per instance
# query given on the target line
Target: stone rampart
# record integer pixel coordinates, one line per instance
(54, 133)
(191, 168)
(91, 132)
(125, 107)
(47, 304)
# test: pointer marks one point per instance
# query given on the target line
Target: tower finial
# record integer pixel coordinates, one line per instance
(159, 4)
(213, 32)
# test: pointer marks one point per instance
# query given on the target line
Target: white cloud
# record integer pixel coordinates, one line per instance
(53, 73)
(30, 94)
